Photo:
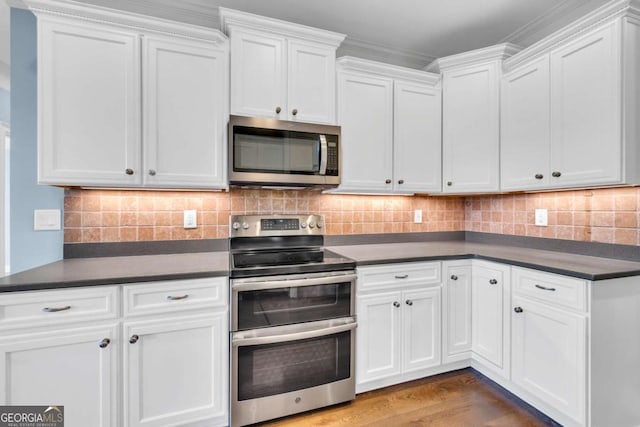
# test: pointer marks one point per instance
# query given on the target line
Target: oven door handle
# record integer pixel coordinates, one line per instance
(276, 284)
(295, 336)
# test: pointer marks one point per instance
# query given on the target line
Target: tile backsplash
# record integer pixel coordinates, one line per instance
(603, 215)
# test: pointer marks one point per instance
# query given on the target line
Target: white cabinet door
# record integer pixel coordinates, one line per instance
(470, 130)
(258, 74)
(417, 138)
(365, 112)
(586, 110)
(185, 96)
(491, 314)
(176, 370)
(311, 82)
(89, 104)
(421, 329)
(549, 355)
(378, 348)
(525, 127)
(456, 304)
(66, 367)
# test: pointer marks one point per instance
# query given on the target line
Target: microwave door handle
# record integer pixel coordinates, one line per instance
(323, 155)
(294, 336)
(277, 284)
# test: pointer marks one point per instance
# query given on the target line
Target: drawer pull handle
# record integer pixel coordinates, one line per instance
(172, 298)
(402, 276)
(518, 309)
(56, 309)
(454, 277)
(104, 343)
(545, 288)
(493, 281)
(409, 302)
(396, 304)
(134, 339)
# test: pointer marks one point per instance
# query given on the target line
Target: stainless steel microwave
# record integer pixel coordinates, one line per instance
(279, 153)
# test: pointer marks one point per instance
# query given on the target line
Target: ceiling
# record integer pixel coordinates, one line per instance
(404, 32)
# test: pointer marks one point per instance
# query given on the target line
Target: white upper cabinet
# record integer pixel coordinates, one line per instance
(570, 105)
(94, 126)
(525, 127)
(89, 104)
(185, 113)
(390, 119)
(280, 69)
(471, 119)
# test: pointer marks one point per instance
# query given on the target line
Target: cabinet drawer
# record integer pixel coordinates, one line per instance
(553, 288)
(175, 295)
(393, 275)
(44, 308)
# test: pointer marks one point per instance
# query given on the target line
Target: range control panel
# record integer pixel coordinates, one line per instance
(275, 225)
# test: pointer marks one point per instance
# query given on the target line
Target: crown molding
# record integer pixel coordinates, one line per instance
(350, 63)
(604, 14)
(230, 18)
(497, 52)
(123, 18)
(376, 52)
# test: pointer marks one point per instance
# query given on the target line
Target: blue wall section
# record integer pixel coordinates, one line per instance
(4, 106)
(28, 248)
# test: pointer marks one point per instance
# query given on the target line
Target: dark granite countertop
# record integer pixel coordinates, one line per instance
(117, 270)
(581, 266)
(144, 268)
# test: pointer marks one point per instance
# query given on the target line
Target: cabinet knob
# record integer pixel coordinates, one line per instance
(278, 109)
(493, 281)
(294, 112)
(128, 171)
(556, 174)
(449, 183)
(396, 304)
(387, 181)
(539, 176)
(518, 309)
(104, 343)
(409, 302)
(454, 277)
(152, 172)
(134, 339)
(401, 181)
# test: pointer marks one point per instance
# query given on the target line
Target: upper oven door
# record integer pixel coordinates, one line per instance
(267, 151)
(285, 300)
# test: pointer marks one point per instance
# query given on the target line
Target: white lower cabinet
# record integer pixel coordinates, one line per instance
(75, 367)
(398, 335)
(456, 316)
(490, 315)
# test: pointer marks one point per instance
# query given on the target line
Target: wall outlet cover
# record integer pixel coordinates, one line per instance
(417, 216)
(46, 219)
(541, 217)
(190, 219)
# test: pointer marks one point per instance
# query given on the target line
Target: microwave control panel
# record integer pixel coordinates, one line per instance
(332, 155)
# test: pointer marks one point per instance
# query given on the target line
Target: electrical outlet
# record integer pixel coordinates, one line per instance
(190, 220)
(417, 216)
(541, 217)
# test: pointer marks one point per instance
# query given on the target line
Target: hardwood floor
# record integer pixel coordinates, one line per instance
(462, 398)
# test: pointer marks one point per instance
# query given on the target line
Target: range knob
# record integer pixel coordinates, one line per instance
(235, 225)
(245, 226)
(312, 224)
(303, 225)
(319, 224)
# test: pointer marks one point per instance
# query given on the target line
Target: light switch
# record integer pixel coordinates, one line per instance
(190, 219)
(541, 217)
(46, 219)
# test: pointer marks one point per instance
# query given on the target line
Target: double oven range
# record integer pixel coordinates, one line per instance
(292, 318)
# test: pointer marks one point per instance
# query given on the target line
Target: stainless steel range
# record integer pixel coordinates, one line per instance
(292, 318)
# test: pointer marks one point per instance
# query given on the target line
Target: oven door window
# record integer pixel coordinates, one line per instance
(271, 369)
(275, 151)
(285, 306)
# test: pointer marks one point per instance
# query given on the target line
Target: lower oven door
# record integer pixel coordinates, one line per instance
(284, 370)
